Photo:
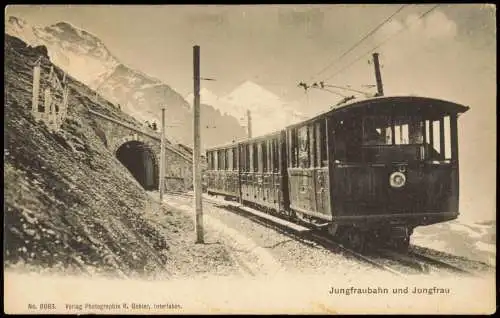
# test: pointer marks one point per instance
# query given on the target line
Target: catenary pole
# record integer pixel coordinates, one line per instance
(378, 76)
(197, 152)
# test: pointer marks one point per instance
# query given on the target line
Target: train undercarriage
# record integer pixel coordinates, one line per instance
(362, 237)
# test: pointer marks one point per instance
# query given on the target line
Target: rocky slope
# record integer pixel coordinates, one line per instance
(68, 202)
(87, 58)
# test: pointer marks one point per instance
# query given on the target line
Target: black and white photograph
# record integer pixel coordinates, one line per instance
(250, 159)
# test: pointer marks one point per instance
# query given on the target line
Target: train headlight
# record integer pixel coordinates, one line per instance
(397, 179)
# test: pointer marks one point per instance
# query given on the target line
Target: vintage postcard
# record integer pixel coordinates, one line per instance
(261, 159)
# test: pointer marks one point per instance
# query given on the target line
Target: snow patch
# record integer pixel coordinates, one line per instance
(490, 248)
(150, 85)
(463, 228)
(263, 261)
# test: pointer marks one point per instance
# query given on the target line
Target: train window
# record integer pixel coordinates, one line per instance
(235, 159)
(219, 160)
(251, 159)
(415, 134)
(401, 134)
(303, 147)
(447, 137)
(323, 143)
(312, 145)
(317, 144)
(377, 130)
(224, 156)
(288, 148)
(209, 160)
(247, 158)
(244, 158)
(294, 148)
(216, 157)
(222, 162)
(260, 148)
(435, 129)
(271, 155)
(263, 147)
(255, 157)
(229, 159)
(276, 163)
(408, 130)
(438, 138)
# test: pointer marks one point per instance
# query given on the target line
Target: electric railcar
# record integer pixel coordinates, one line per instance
(368, 171)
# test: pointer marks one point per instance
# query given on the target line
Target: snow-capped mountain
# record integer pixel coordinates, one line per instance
(268, 111)
(85, 57)
(76, 51)
(207, 97)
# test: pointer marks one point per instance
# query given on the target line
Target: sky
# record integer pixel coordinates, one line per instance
(449, 53)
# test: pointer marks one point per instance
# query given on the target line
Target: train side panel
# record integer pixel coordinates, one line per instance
(308, 170)
(222, 176)
(261, 175)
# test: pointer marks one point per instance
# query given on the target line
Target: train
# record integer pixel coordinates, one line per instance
(367, 172)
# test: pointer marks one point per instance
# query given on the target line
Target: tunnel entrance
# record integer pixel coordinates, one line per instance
(139, 159)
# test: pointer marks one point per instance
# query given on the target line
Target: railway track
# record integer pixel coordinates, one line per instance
(396, 263)
(433, 261)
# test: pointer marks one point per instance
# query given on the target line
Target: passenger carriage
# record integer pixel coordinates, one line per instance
(371, 170)
(222, 174)
(376, 168)
(263, 172)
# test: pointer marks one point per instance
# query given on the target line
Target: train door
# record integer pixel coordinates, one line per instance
(283, 162)
(301, 176)
(322, 178)
(245, 166)
(275, 175)
(240, 168)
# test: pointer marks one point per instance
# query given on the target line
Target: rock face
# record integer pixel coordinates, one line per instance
(85, 56)
(68, 202)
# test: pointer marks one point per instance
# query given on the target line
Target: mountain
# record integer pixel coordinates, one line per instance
(85, 56)
(76, 51)
(268, 111)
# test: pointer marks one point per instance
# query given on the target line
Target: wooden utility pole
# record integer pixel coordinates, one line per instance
(162, 155)
(249, 123)
(197, 152)
(378, 76)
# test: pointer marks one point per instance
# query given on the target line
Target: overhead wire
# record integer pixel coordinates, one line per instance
(405, 27)
(360, 41)
(333, 92)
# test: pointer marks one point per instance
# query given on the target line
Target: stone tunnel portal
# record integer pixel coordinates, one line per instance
(139, 159)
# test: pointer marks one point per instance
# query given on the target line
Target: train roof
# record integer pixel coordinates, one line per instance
(387, 103)
(382, 103)
(224, 146)
(244, 141)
